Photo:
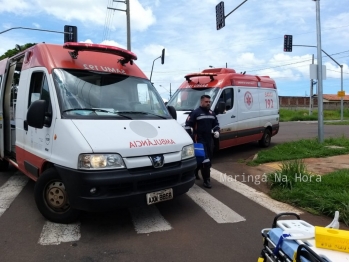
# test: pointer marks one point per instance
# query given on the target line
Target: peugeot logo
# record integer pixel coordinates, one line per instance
(157, 161)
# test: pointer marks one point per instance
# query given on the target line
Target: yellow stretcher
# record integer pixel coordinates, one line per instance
(294, 241)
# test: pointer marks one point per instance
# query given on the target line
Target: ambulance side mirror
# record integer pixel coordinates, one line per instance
(220, 108)
(172, 112)
(36, 114)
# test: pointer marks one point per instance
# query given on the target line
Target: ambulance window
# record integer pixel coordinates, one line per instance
(35, 87)
(143, 95)
(39, 89)
(227, 97)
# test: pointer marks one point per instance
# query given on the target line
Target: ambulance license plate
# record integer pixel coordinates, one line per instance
(159, 196)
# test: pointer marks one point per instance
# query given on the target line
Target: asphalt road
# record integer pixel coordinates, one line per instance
(217, 224)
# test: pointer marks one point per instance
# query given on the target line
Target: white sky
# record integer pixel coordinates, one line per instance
(251, 41)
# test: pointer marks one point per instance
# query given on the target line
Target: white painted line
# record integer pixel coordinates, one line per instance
(10, 190)
(148, 219)
(213, 207)
(256, 196)
(54, 234)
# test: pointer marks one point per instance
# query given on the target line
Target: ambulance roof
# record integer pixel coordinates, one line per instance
(222, 77)
(89, 57)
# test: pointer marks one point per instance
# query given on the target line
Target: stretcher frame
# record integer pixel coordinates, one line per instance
(303, 253)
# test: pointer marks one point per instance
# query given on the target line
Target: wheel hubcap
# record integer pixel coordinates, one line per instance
(56, 197)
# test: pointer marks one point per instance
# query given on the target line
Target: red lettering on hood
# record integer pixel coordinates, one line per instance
(151, 142)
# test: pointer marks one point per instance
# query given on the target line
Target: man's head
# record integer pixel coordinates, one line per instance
(205, 101)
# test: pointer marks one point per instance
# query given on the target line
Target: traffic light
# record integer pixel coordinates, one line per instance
(220, 18)
(163, 56)
(288, 43)
(73, 36)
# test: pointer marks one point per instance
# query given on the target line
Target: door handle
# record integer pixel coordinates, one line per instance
(232, 116)
(25, 125)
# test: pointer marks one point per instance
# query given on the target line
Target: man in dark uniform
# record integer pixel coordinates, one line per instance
(201, 125)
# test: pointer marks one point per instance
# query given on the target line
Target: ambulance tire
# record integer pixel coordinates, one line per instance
(50, 187)
(266, 138)
(4, 165)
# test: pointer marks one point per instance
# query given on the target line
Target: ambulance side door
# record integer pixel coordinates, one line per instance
(4, 68)
(38, 142)
(227, 120)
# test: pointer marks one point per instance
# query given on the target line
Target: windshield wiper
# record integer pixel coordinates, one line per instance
(88, 109)
(141, 112)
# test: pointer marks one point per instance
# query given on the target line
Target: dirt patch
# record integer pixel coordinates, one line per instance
(317, 166)
(253, 175)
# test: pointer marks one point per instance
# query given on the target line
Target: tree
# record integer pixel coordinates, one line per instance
(14, 51)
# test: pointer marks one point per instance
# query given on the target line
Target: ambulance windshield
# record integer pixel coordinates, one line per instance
(188, 99)
(90, 94)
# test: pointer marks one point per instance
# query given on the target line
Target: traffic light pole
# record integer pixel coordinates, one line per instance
(220, 17)
(28, 28)
(319, 75)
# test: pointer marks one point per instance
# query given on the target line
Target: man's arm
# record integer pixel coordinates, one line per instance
(189, 123)
(216, 129)
(215, 126)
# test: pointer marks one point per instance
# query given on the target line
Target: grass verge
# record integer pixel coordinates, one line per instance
(337, 123)
(303, 115)
(316, 194)
(303, 148)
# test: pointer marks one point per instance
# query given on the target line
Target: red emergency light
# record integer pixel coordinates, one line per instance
(211, 75)
(128, 56)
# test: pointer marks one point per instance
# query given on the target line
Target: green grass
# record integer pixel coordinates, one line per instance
(303, 115)
(321, 195)
(337, 123)
(303, 148)
(293, 184)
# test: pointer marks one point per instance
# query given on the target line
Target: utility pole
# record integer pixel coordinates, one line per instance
(319, 74)
(311, 92)
(127, 10)
(170, 91)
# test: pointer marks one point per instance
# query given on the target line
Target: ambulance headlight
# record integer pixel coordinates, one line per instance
(188, 152)
(100, 161)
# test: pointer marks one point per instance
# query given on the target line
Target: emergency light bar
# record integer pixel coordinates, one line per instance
(211, 75)
(76, 47)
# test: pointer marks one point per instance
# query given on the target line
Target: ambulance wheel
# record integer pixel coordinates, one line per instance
(3, 165)
(52, 199)
(266, 138)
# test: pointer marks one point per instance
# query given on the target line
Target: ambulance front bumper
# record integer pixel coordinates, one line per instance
(104, 190)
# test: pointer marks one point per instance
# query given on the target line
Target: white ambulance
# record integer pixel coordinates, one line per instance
(85, 123)
(247, 106)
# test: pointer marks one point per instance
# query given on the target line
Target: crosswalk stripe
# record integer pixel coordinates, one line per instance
(10, 190)
(256, 196)
(54, 234)
(213, 207)
(148, 219)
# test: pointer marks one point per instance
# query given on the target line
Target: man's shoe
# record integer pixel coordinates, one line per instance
(207, 184)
